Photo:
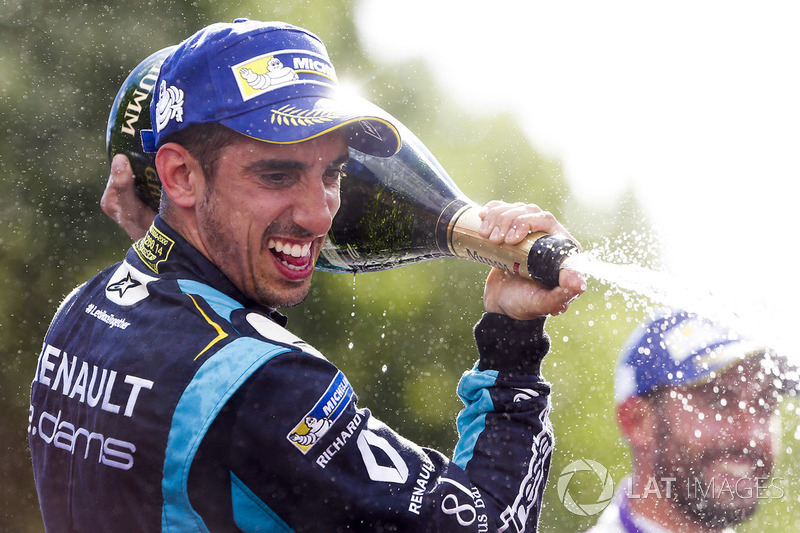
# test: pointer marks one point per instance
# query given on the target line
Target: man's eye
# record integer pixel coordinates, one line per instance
(334, 174)
(275, 178)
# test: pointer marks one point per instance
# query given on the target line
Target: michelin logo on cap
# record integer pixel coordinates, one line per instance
(277, 86)
(266, 72)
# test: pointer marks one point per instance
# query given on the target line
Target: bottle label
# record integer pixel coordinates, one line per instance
(465, 242)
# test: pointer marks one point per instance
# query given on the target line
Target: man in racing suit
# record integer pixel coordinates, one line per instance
(168, 394)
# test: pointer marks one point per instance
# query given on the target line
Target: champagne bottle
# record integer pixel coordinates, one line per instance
(130, 114)
(395, 211)
(406, 209)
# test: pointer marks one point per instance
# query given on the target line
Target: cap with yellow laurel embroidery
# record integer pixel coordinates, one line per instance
(682, 348)
(267, 80)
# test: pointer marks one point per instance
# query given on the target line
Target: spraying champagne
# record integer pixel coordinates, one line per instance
(395, 211)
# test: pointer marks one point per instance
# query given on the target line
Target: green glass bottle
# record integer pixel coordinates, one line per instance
(130, 114)
(406, 209)
(395, 211)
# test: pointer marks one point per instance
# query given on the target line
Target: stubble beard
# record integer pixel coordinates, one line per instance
(691, 491)
(216, 235)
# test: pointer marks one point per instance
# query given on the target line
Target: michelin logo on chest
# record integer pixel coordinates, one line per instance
(316, 423)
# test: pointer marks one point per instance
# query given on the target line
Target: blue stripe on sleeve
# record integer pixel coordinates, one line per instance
(214, 383)
(251, 514)
(473, 389)
(222, 304)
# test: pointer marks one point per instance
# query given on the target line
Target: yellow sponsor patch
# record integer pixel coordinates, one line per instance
(319, 420)
(154, 248)
(261, 74)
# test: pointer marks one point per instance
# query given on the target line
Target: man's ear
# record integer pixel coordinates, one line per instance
(181, 175)
(637, 419)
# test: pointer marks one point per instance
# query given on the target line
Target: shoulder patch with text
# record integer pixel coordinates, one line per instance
(327, 410)
(153, 248)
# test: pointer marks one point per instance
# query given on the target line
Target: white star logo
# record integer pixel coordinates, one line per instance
(123, 285)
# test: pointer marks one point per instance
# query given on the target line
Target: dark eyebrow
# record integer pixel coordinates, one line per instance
(263, 165)
(341, 160)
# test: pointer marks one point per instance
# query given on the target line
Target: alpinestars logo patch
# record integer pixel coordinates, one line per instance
(123, 285)
(128, 286)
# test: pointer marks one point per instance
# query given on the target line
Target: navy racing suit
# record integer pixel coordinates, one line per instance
(164, 400)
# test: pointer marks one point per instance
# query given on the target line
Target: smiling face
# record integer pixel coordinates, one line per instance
(718, 441)
(263, 217)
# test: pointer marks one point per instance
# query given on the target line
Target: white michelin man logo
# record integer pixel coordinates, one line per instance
(169, 105)
(317, 427)
(275, 75)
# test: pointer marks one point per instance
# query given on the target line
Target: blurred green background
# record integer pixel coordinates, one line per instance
(403, 337)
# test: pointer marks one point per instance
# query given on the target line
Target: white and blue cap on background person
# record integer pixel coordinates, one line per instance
(270, 81)
(679, 348)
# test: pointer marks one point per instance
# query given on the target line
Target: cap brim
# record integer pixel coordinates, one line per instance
(302, 119)
(722, 357)
(696, 370)
(776, 368)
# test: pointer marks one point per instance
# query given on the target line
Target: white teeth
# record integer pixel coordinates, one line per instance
(295, 250)
(735, 468)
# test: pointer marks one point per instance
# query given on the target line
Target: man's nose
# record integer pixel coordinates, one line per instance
(314, 208)
(749, 428)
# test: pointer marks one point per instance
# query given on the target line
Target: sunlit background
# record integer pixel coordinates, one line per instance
(692, 106)
(663, 135)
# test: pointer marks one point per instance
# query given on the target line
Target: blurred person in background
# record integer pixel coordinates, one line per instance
(697, 404)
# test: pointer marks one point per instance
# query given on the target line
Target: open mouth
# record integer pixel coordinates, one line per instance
(293, 256)
(733, 475)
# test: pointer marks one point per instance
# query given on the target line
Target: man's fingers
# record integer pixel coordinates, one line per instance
(511, 223)
(120, 202)
(524, 299)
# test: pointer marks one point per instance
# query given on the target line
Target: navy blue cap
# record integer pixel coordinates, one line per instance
(270, 81)
(679, 348)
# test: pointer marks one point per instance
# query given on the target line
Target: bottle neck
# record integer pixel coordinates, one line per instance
(463, 240)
